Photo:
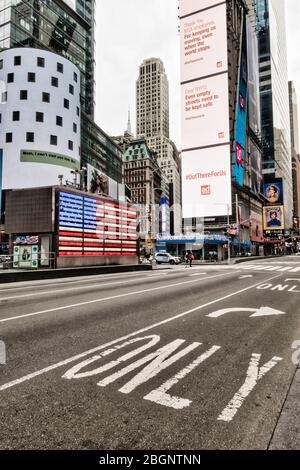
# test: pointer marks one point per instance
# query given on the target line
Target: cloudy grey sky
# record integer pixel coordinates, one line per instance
(129, 31)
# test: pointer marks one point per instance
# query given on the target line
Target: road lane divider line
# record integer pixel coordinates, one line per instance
(103, 299)
(64, 280)
(70, 289)
(37, 373)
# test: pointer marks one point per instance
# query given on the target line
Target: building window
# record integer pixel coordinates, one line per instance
(46, 97)
(31, 77)
(60, 67)
(78, 111)
(54, 81)
(17, 60)
(39, 117)
(53, 140)
(9, 137)
(29, 137)
(23, 95)
(16, 116)
(66, 103)
(71, 146)
(40, 62)
(10, 78)
(74, 127)
(71, 89)
(4, 97)
(0, 118)
(1, 64)
(75, 77)
(59, 121)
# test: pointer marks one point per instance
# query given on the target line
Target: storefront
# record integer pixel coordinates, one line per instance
(210, 247)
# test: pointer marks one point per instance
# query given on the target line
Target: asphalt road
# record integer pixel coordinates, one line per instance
(186, 358)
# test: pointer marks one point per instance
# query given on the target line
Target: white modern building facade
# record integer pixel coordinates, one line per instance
(39, 118)
(152, 122)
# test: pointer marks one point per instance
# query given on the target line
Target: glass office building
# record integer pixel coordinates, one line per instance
(63, 27)
(274, 96)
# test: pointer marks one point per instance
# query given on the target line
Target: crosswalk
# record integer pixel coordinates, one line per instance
(268, 267)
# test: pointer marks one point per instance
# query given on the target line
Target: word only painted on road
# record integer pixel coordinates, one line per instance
(291, 285)
(159, 360)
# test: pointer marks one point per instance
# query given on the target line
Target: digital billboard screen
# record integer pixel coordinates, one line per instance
(273, 218)
(206, 192)
(204, 44)
(273, 192)
(205, 114)
(95, 227)
(206, 159)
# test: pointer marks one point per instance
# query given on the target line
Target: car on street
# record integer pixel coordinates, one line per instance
(164, 257)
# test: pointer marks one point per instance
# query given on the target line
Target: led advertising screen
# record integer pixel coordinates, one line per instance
(273, 218)
(95, 227)
(205, 114)
(273, 192)
(204, 44)
(206, 191)
(241, 117)
(206, 160)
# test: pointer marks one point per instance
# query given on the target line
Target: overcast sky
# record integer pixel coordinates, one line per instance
(129, 31)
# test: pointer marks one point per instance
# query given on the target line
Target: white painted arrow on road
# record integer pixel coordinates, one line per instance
(258, 312)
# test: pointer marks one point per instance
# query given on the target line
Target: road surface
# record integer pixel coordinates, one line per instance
(186, 358)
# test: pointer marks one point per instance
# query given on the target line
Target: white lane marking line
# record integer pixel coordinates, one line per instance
(246, 276)
(198, 274)
(160, 396)
(64, 280)
(70, 289)
(123, 338)
(254, 374)
(103, 299)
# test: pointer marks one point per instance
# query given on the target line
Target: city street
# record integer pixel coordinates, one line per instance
(181, 358)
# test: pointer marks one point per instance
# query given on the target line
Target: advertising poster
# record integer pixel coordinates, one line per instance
(273, 192)
(205, 114)
(273, 218)
(256, 227)
(97, 182)
(206, 192)
(204, 44)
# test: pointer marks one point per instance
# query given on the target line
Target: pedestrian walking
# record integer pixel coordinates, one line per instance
(190, 258)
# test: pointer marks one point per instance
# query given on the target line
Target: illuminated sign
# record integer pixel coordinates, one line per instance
(273, 218)
(95, 227)
(206, 170)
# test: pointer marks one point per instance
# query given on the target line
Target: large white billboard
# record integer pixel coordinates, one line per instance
(206, 182)
(191, 6)
(204, 44)
(206, 159)
(205, 113)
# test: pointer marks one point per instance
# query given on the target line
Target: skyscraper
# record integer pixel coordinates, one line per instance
(63, 27)
(295, 151)
(277, 162)
(152, 119)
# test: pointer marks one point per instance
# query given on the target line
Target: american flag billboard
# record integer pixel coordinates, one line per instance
(95, 227)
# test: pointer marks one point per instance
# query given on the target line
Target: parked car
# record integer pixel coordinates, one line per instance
(164, 257)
